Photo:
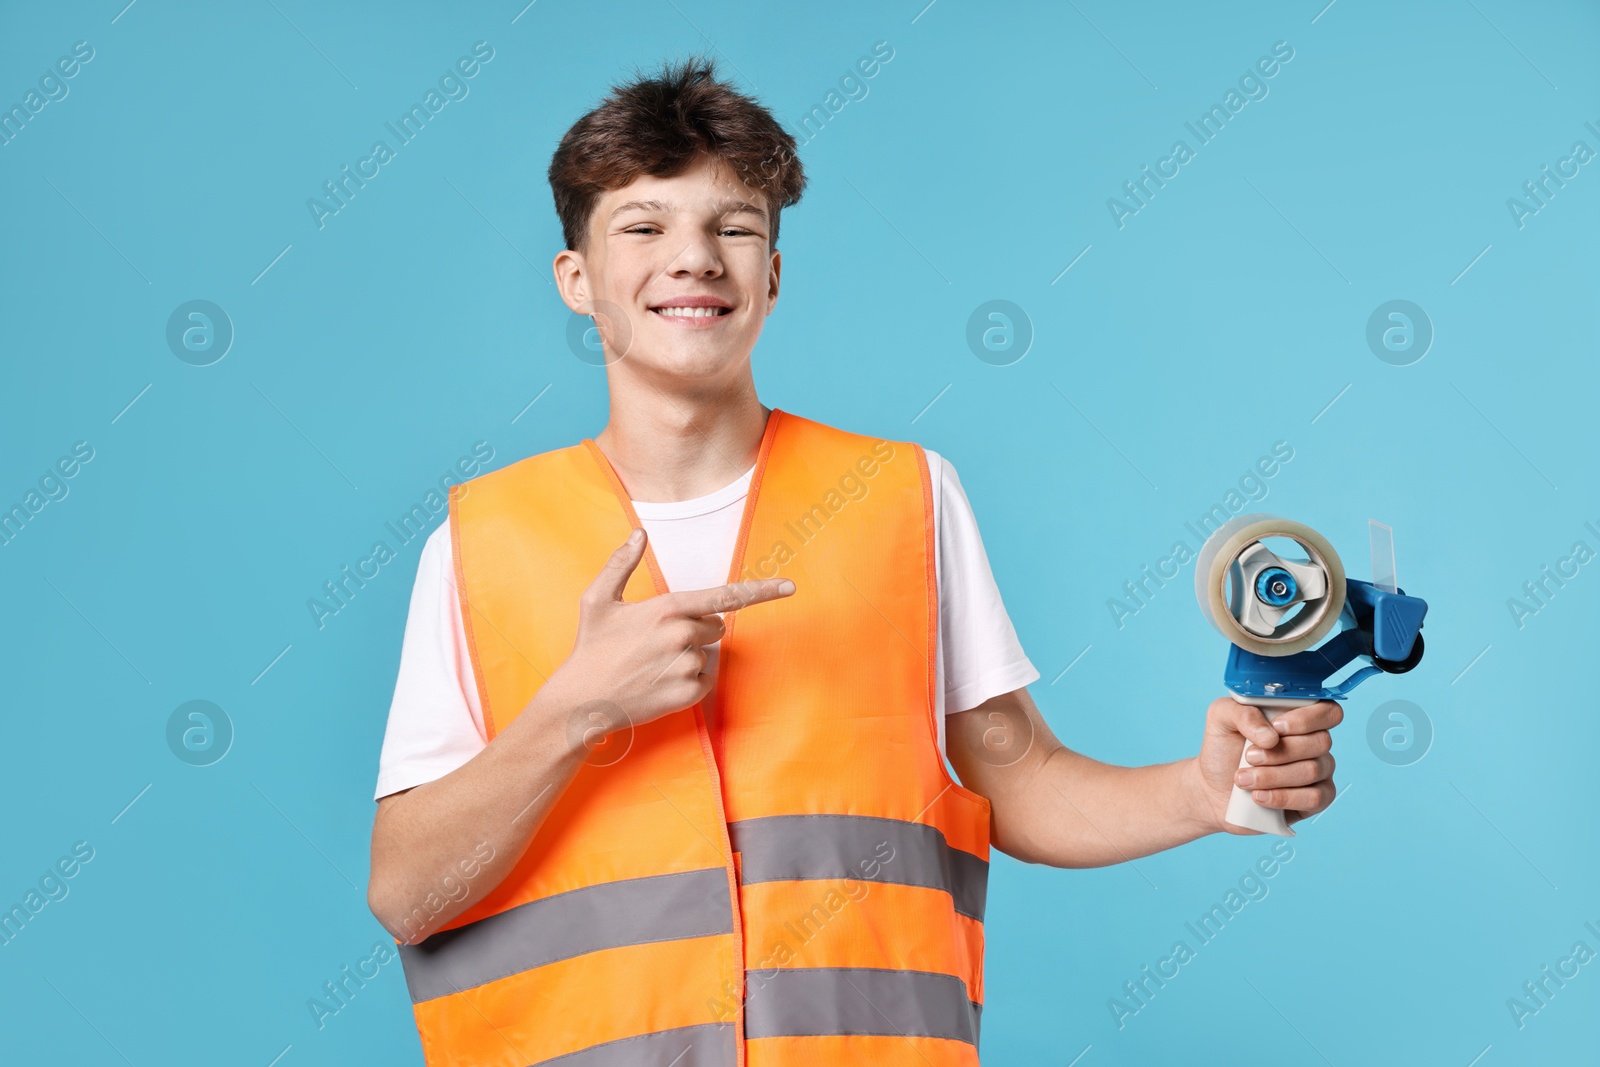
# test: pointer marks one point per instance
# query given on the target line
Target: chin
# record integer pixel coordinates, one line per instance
(689, 357)
(691, 365)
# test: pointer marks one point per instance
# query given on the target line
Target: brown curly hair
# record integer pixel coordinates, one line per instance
(659, 125)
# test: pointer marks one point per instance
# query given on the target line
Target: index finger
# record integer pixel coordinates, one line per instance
(731, 597)
(1323, 715)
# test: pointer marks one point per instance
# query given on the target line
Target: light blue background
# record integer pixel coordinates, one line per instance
(1223, 317)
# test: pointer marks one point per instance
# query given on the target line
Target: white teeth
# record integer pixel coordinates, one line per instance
(689, 313)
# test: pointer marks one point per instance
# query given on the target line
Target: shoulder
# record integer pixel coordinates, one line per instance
(813, 436)
(436, 566)
(437, 550)
(541, 466)
(833, 445)
(948, 493)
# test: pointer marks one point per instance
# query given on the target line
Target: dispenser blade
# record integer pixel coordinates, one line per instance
(1382, 541)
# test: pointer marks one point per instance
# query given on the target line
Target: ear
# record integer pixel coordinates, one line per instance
(773, 275)
(572, 280)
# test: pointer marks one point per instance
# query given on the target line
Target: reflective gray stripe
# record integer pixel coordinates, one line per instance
(781, 848)
(810, 1001)
(707, 1045)
(633, 911)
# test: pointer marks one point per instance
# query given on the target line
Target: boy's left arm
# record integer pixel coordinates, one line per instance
(1054, 806)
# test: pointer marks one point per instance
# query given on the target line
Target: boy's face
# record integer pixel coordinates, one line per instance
(659, 241)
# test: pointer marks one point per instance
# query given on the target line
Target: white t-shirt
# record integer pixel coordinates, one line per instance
(436, 720)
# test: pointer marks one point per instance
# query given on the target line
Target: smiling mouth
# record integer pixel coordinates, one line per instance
(691, 312)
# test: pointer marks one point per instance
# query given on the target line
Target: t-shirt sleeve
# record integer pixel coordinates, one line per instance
(981, 654)
(432, 727)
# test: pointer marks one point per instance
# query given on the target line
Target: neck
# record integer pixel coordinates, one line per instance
(681, 445)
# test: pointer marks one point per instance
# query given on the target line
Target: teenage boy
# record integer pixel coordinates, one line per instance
(685, 801)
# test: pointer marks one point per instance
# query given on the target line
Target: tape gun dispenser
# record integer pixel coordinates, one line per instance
(1273, 609)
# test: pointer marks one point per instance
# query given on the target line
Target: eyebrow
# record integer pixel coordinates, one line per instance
(723, 208)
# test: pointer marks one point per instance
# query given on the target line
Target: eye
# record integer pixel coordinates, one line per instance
(643, 227)
(737, 232)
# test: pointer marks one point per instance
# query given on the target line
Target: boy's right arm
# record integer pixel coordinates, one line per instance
(456, 838)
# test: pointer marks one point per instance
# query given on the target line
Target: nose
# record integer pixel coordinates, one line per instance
(697, 258)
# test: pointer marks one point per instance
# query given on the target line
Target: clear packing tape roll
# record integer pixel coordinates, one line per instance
(1229, 605)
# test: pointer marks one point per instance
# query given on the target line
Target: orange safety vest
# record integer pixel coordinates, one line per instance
(802, 882)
